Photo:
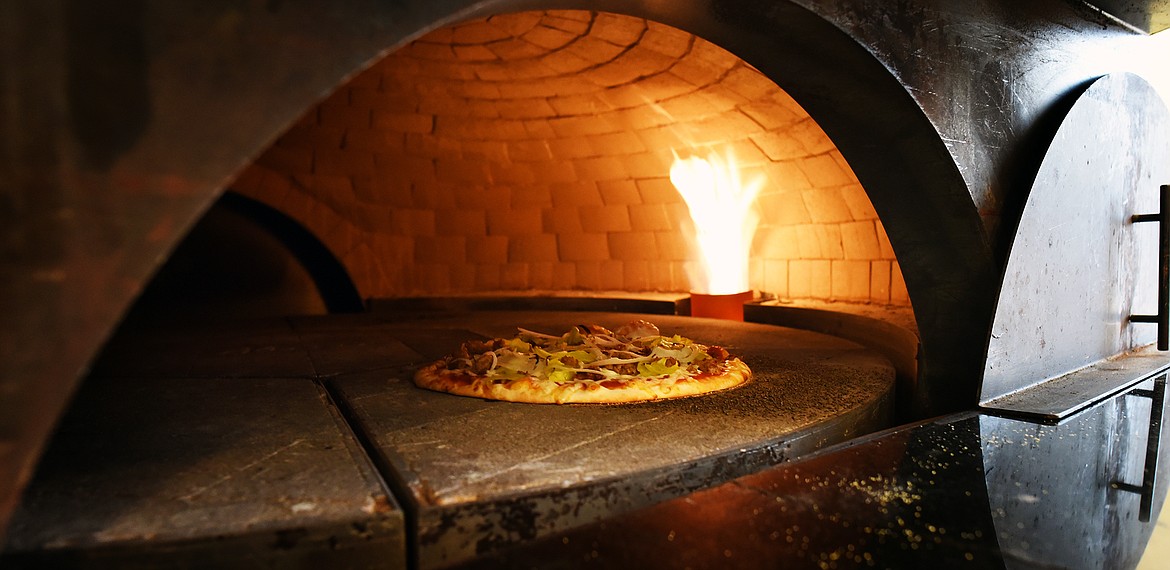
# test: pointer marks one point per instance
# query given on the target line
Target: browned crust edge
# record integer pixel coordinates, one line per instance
(533, 391)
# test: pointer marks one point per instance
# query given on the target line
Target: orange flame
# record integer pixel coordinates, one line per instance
(720, 205)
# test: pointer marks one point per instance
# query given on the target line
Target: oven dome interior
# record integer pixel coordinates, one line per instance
(531, 151)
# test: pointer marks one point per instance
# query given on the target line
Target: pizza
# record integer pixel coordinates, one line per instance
(588, 364)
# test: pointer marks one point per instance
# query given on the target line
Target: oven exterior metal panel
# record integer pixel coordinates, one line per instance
(943, 107)
(1080, 267)
(1145, 15)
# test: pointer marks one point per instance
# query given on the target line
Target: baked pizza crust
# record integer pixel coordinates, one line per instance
(436, 376)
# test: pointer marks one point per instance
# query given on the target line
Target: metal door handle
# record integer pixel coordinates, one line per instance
(1163, 316)
(1150, 473)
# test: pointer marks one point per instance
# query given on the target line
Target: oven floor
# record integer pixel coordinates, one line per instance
(241, 434)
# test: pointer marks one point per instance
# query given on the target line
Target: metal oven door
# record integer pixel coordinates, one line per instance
(1084, 289)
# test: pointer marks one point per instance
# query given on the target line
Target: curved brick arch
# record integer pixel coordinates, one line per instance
(531, 150)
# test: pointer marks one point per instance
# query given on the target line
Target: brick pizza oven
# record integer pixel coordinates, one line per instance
(237, 229)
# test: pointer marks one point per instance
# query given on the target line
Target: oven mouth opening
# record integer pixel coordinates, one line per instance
(523, 162)
(526, 159)
(531, 153)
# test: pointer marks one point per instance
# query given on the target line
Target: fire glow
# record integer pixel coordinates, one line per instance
(720, 204)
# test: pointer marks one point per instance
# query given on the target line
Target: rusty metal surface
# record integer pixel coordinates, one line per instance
(185, 472)
(1079, 266)
(484, 475)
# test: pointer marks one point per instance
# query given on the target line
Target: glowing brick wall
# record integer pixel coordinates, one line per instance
(532, 151)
